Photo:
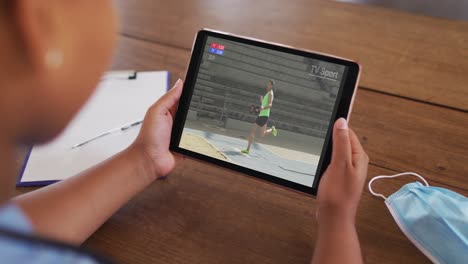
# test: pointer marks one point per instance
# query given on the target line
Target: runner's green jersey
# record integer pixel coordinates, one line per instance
(265, 101)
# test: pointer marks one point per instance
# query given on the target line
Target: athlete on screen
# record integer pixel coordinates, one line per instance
(263, 116)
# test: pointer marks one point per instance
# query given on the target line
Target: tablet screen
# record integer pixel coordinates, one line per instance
(262, 109)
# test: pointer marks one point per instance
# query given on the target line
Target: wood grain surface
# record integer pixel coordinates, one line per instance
(418, 57)
(204, 214)
(411, 114)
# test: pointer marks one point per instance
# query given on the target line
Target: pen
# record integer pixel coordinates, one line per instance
(131, 125)
(126, 127)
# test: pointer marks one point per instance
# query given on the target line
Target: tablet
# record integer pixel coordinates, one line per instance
(263, 109)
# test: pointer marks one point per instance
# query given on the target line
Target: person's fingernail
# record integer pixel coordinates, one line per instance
(341, 123)
(179, 81)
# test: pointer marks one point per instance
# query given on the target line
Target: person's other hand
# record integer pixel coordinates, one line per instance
(155, 134)
(341, 185)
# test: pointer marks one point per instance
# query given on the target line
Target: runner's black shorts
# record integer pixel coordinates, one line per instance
(261, 120)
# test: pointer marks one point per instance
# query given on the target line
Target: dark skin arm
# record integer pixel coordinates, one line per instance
(73, 209)
(338, 197)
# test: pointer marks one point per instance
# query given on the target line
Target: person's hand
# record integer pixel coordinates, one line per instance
(342, 183)
(155, 134)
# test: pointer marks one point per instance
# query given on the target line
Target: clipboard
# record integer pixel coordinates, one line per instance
(121, 98)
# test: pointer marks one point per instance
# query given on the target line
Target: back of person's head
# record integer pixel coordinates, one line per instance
(53, 53)
(271, 84)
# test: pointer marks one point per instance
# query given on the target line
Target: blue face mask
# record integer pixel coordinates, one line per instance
(434, 219)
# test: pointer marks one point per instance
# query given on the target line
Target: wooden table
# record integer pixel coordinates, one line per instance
(410, 114)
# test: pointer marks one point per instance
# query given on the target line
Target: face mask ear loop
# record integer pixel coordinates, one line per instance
(369, 186)
(392, 176)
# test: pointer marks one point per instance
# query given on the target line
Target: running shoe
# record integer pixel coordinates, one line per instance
(274, 131)
(245, 151)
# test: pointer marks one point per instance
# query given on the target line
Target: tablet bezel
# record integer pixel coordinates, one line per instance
(342, 108)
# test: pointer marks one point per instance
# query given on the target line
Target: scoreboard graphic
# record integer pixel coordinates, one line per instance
(216, 48)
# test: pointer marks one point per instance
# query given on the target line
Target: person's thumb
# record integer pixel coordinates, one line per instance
(177, 88)
(169, 101)
(175, 93)
(341, 144)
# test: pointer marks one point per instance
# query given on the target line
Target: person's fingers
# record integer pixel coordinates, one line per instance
(341, 145)
(360, 157)
(356, 146)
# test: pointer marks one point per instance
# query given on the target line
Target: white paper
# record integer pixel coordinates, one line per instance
(117, 102)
